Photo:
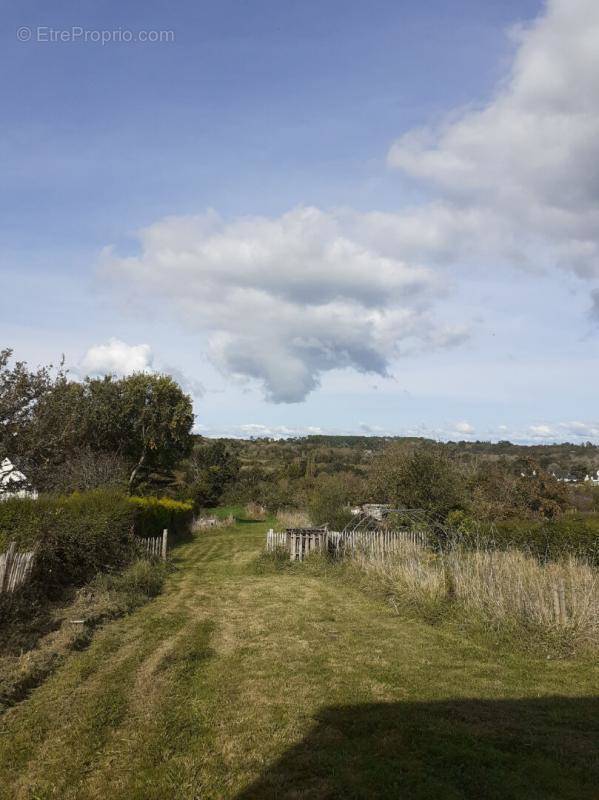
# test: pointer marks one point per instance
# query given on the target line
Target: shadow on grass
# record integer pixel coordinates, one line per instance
(528, 749)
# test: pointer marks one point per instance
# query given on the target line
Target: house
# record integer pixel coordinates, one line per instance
(13, 483)
(592, 479)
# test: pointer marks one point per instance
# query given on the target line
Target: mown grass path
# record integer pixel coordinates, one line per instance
(235, 684)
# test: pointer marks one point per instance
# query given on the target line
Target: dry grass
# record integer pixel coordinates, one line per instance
(293, 518)
(255, 511)
(208, 523)
(496, 588)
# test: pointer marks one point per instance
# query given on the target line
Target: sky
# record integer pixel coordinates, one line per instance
(335, 217)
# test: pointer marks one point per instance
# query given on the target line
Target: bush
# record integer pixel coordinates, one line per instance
(549, 539)
(79, 535)
(74, 536)
(153, 514)
(419, 477)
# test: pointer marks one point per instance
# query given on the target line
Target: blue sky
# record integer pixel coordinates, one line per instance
(452, 308)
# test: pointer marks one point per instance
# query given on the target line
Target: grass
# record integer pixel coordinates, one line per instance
(553, 605)
(242, 680)
(33, 645)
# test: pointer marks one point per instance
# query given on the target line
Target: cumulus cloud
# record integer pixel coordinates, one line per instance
(515, 181)
(285, 300)
(522, 172)
(117, 358)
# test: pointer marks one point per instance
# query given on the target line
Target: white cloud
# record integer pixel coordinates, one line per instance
(117, 358)
(463, 427)
(287, 299)
(515, 182)
(523, 170)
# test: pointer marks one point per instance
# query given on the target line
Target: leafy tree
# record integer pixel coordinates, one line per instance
(211, 469)
(46, 421)
(39, 416)
(331, 497)
(156, 418)
(418, 477)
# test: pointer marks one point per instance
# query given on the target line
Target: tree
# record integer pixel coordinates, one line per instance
(418, 477)
(156, 418)
(210, 470)
(46, 421)
(331, 497)
(39, 416)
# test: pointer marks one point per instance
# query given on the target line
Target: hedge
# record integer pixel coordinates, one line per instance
(569, 534)
(152, 515)
(79, 535)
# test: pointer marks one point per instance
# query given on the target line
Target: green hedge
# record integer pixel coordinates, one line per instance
(152, 515)
(570, 534)
(79, 535)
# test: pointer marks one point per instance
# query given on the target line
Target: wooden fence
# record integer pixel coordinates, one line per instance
(275, 540)
(154, 546)
(303, 541)
(15, 568)
(378, 542)
(300, 542)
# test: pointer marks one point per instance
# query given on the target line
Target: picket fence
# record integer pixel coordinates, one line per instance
(299, 542)
(154, 546)
(275, 540)
(15, 568)
(377, 542)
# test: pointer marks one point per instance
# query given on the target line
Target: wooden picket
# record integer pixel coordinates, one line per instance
(303, 541)
(377, 542)
(275, 540)
(15, 568)
(154, 546)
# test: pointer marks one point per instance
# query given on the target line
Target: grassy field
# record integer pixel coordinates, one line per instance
(242, 683)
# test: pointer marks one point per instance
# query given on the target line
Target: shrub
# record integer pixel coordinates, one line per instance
(152, 515)
(74, 536)
(330, 499)
(548, 539)
(79, 535)
(421, 477)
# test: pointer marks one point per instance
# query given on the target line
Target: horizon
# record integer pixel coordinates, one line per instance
(319, 219)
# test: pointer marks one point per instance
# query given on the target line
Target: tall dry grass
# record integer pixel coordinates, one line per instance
(255, 511)
(201, 524)
(495, 588)
(293, 518)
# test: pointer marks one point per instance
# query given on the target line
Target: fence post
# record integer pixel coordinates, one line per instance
(164, 540)
(8, 561)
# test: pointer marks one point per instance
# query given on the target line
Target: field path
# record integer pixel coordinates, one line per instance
(237, 684)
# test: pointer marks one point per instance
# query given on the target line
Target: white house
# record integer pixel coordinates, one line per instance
(13, 483)
(593, 479)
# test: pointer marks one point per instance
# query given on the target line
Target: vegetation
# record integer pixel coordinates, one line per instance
(138, 426)
(553, 605)
(251, 676)
(79, 535)
(235, 683)
(35, 644)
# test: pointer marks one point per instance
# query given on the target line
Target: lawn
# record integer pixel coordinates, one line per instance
(238, 682)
